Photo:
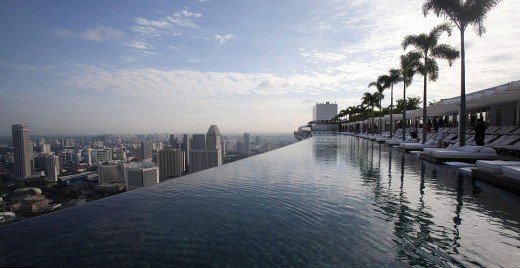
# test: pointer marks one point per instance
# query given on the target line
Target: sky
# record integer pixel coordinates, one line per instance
(130, 67)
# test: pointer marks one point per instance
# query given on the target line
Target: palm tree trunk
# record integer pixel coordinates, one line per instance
(391, 109)
(462, 112)
(372, 120)
(380, 120)
(403, 122)
(424, 113)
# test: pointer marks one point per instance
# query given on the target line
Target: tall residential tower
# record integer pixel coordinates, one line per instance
(23, 152)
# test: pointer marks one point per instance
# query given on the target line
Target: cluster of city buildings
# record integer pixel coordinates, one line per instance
(112, 164)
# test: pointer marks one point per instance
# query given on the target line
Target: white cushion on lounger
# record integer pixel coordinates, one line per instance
(460, 154)
(430, 142)
(512, 172)
(470, 149)
(495, 166)
(488, 150)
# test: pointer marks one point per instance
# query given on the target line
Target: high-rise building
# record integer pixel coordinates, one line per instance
(23, 151)
(140, 174)
(87, 156)
(201, 159)
(186, 151)
(172, 141)
(323, 112)
(213, 138)
(171, 163)
(110, 173)
(246, 144)
(198, 142)
(146, 151)
(45, 148)
(51, 166)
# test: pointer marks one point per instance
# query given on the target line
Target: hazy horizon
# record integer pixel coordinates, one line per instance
(91, 67)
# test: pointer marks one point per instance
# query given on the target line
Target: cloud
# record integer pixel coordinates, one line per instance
(317, 56)
(138, 45)
(169, 25)
(224, 38)
(98, 34)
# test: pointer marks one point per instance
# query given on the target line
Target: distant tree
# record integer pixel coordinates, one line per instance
(427, 45)
(462, 13)
(412, 103)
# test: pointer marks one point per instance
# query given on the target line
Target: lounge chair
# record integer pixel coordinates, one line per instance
(506, 130)
(462, 154)
(495, 166)
(417, 146)
(512, 172)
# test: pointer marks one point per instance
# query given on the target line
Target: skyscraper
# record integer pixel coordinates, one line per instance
(170, 162)
(198, 142)
(139, 174)
(245, 145)
(23, 152)
(186, 151)
(146, 151)
(213, 138)
(201, 159)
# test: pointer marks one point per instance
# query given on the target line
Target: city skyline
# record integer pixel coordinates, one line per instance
(85, 68)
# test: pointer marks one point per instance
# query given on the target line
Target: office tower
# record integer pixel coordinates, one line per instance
(146, 151)
(245, 145)
(257, 140)
(323, 112)
(51, 166)
(239, 147)
(140, 174)
(186, 151)
(171, 163)
(102, 155)
(110, 173)
(45, 148)
(23, 152)
(198, 142)
(201, 159)
(87, 156)
(120, 153)
(173, 141)
(223, 147)
(76, 157)
(213, 138)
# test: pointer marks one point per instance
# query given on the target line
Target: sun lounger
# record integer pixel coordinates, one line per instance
(512, 172)
(492, 130)
(506, 130)
(418, 146)
(467, 152)
(463, 154)
(495, 166)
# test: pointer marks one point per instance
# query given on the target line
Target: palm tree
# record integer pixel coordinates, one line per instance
(371, 99)
(462, 14)
(410, 65)
(393, 77)
(427, 45)
(380, 86)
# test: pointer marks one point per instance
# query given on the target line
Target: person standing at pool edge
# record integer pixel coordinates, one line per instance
(480, 132)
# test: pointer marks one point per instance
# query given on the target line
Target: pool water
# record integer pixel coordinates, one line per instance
(327, 201)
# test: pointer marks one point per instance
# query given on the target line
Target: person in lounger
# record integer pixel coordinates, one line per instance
(439, 136)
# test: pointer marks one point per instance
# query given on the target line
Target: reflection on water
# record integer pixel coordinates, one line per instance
(326, 201)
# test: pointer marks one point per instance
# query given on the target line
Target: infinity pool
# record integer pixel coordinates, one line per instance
(326, 201)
